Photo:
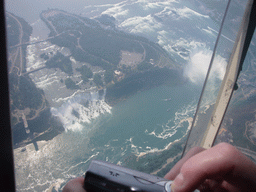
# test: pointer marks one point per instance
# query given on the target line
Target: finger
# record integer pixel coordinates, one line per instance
(222, 161)
(176, 169)
(228, 187)
(75, 185)
(209, 185)
(217, 186)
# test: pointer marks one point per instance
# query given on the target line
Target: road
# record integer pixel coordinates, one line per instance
(16, 65)
(16, 57)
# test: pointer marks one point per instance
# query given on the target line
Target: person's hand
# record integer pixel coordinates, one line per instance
(220, 168)
(74, 185)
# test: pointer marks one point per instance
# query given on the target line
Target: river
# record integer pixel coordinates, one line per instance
(147, 122)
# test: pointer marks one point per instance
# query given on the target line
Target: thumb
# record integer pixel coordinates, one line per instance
(223, 162)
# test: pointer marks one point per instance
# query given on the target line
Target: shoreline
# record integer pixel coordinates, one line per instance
(168, 161)
(167, 147)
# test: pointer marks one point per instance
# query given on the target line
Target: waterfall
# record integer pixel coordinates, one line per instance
(81, 108)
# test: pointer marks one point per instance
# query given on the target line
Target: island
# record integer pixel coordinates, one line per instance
(130, 63)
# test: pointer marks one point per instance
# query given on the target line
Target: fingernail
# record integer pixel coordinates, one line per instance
(177, 183)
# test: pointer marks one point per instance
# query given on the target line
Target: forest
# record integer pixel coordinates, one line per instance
(24, 93)
(89, 42)
(70, 84)
(85, 72)
(13, 30)
(95, 45)
(60, 61)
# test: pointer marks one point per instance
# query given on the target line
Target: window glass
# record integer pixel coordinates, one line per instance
(112, 80)
(238, 126)
(208, 117)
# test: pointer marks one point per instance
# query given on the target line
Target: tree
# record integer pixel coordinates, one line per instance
(86, 73)
(108, 76)
(97, 80)
(70, 84)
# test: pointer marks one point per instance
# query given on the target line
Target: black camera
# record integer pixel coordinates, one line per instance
(106, 177)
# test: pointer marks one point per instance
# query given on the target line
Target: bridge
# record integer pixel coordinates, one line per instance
(34, 70)
(49, 38)
(32, 43)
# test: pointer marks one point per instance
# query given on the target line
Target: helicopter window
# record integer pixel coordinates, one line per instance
(117, 81)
